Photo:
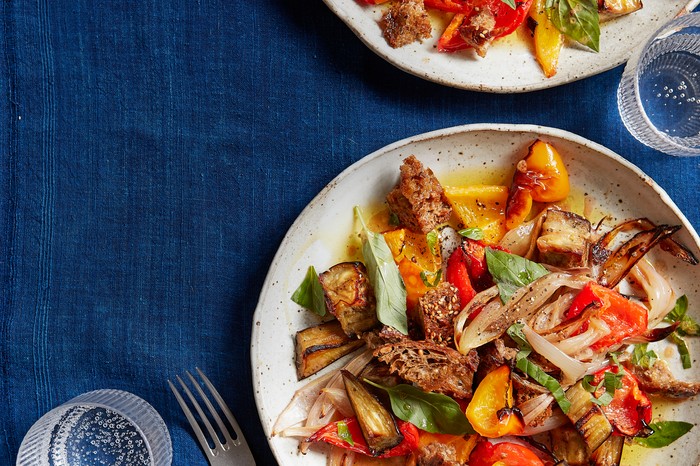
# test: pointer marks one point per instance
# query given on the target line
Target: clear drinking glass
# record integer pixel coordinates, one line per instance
(102, 427)
(659, 95)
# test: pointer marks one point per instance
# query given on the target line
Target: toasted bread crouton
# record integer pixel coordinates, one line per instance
(418, 200)
(406, 22)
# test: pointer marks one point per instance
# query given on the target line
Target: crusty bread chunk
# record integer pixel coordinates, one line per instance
(419, 200)
(437, 310)
(431, 367)
(406, 22)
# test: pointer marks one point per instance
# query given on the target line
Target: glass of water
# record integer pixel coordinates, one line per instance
(102, 427)
(659, 95)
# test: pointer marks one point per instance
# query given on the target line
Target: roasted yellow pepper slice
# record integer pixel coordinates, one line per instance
(541, 176)
(548, 39)
(490, 409)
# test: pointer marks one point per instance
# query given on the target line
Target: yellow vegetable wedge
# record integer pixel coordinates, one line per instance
(548, 39)
(481, 206)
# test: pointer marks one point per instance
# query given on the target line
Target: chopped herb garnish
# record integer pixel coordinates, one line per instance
(344, 433)
(472, 233)
(534, 371)
(426, 276)
(643, 357)
(432, 239)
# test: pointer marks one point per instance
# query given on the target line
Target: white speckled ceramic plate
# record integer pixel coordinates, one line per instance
(321, 232)
(509, 65)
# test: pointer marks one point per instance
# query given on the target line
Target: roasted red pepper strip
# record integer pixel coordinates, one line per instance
(450, 6)
(630, 409)
(624, 317)
(504, 453)
(451, 40)
(457, 274)
(330, 434)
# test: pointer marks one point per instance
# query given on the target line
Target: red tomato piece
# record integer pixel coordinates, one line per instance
(504, 453)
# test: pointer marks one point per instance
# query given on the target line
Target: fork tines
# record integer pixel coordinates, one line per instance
(232, 449)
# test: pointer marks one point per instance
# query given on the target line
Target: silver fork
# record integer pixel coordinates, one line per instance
(233, 450)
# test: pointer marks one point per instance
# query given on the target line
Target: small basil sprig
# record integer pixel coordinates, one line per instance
(425, 277)
(534, 371)
(385, 278)
(665, 433)
(511, 272)
(432, 240)
(577, 19)
(431, 412)
(310, 293)
(642, 357)
(510, 3)
(610, 382)
(687, 327)
(472, 233)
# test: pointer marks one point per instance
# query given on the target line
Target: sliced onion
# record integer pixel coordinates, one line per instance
(299, 431)
(578, 345)
(659, 292)
(556, 420)
(552, 314)
(522, 239)
(298, 407)
(572, 369)
(535, 406)
(496, 317)
(339, 398)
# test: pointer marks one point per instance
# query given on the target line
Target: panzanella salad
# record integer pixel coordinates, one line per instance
(489, 325)
(476, 24)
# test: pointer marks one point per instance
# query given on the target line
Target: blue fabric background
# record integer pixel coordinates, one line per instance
(153, 156)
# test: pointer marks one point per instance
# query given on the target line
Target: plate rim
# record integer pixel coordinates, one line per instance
(422, 137)
(547, 83)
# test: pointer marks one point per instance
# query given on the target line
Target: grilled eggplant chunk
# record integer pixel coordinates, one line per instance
(612, 8)
(588, 418)
(564, 239)
(376, 422)
(568, 445)
(610, 452)
(319, 346)
(349, 297)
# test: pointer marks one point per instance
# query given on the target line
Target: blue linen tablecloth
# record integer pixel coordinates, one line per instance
(155, 153)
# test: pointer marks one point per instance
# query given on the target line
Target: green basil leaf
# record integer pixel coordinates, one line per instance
(683, 351)
(512, 272)
(432, 412)
(425, 276)
(577, 19)
(603, 400)
(432, 239)
(687, 325)
(534, 371)
(642, 357)
(679, 310)
(474, 232)
(665, 433)
(385, 278)
(510, 3)
(310, 293)
(344, 432)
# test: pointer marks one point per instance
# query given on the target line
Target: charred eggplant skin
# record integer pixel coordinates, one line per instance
(318, 346)
(376, 422)
(587, 417)
(349, 297)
